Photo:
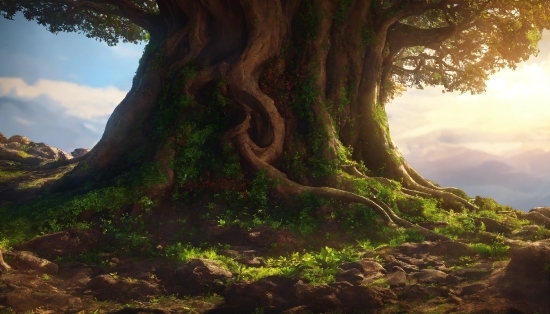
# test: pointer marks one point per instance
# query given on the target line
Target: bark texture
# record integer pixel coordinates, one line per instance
(295, 88)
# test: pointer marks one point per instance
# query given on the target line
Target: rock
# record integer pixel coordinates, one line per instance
(14, 145)
(475, 272)
(80, 152)
(370, 269)
(443, 248)
(353, 276)
(472, 289)
(47, 152)
(253, 262)
(19, 139)
(397, 278)
(26, 259)
(202, 275)
(71, 242)
(430, 276)
(531, 259)
(355, 299)
(107, 287)
(536, 218)
(3, 139)
(541, 210)
(272, 292)
(528, 231)
(414, 293)
(494, 226)
(408, 268)
(526, 277)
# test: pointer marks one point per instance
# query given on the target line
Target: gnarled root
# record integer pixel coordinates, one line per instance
(3, 264)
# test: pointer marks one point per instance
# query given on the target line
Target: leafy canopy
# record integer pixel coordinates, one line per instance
(453, 43)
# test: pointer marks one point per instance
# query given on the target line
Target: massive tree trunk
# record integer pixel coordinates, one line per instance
(293, 88)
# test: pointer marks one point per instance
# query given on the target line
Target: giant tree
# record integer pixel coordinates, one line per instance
(291, 89)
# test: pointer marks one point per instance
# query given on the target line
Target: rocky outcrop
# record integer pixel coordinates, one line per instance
(21, 149)
(283, 295)
(80, 152)
(545, 211)
(66, 243)
(536, 218)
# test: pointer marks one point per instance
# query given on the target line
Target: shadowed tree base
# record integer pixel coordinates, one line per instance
(292, 88)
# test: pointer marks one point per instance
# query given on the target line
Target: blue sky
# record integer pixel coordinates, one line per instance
(60, 89)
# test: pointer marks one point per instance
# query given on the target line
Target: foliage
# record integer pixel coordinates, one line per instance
(55, 16)
(459, 224)
(317, 267)
(497, 249)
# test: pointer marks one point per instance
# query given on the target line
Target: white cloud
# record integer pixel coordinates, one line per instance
(77, 100)
(23, 121)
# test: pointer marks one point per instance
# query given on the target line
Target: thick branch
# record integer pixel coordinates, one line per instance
(126, 9)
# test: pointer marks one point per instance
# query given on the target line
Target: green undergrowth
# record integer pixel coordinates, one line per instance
(7, 175)
(317, 267)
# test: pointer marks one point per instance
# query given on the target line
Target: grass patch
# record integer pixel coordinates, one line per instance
(497, 250)
(7, 175)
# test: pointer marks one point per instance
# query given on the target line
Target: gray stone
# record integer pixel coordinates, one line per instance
(370, 270)
(397, 278)
(408, 268)
(536, 218)
(80, 152)
(545, 211)
(494, 226)
(353, 276)
(19, 139)
(472, 289)
(430, 276)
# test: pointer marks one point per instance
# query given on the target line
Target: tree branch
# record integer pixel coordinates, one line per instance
(125, 9)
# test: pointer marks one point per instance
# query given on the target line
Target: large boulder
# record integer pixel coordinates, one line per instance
(494, 226)
(527, 277)
(47, 152)
(202, 275)
(80, 152)
(22, 149)
(368, 269)
(111, 287)
(429, 276)
(545, 211)
(66, 243)
(536, 218)
(397, 277)
(19, 139)
(277, 295)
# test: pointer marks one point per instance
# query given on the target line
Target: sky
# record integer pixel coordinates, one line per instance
(60, 90)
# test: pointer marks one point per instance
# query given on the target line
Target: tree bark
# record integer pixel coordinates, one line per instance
(296, 86)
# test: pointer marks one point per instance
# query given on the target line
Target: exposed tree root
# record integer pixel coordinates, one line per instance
(426, 189)
(3, 264)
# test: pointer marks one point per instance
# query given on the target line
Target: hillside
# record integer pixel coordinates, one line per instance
(109, 250)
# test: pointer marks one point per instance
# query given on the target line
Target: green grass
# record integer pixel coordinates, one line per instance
(7, 175)
(496, 250)
(317, 267)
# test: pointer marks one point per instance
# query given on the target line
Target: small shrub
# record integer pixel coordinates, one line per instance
(497, 249)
